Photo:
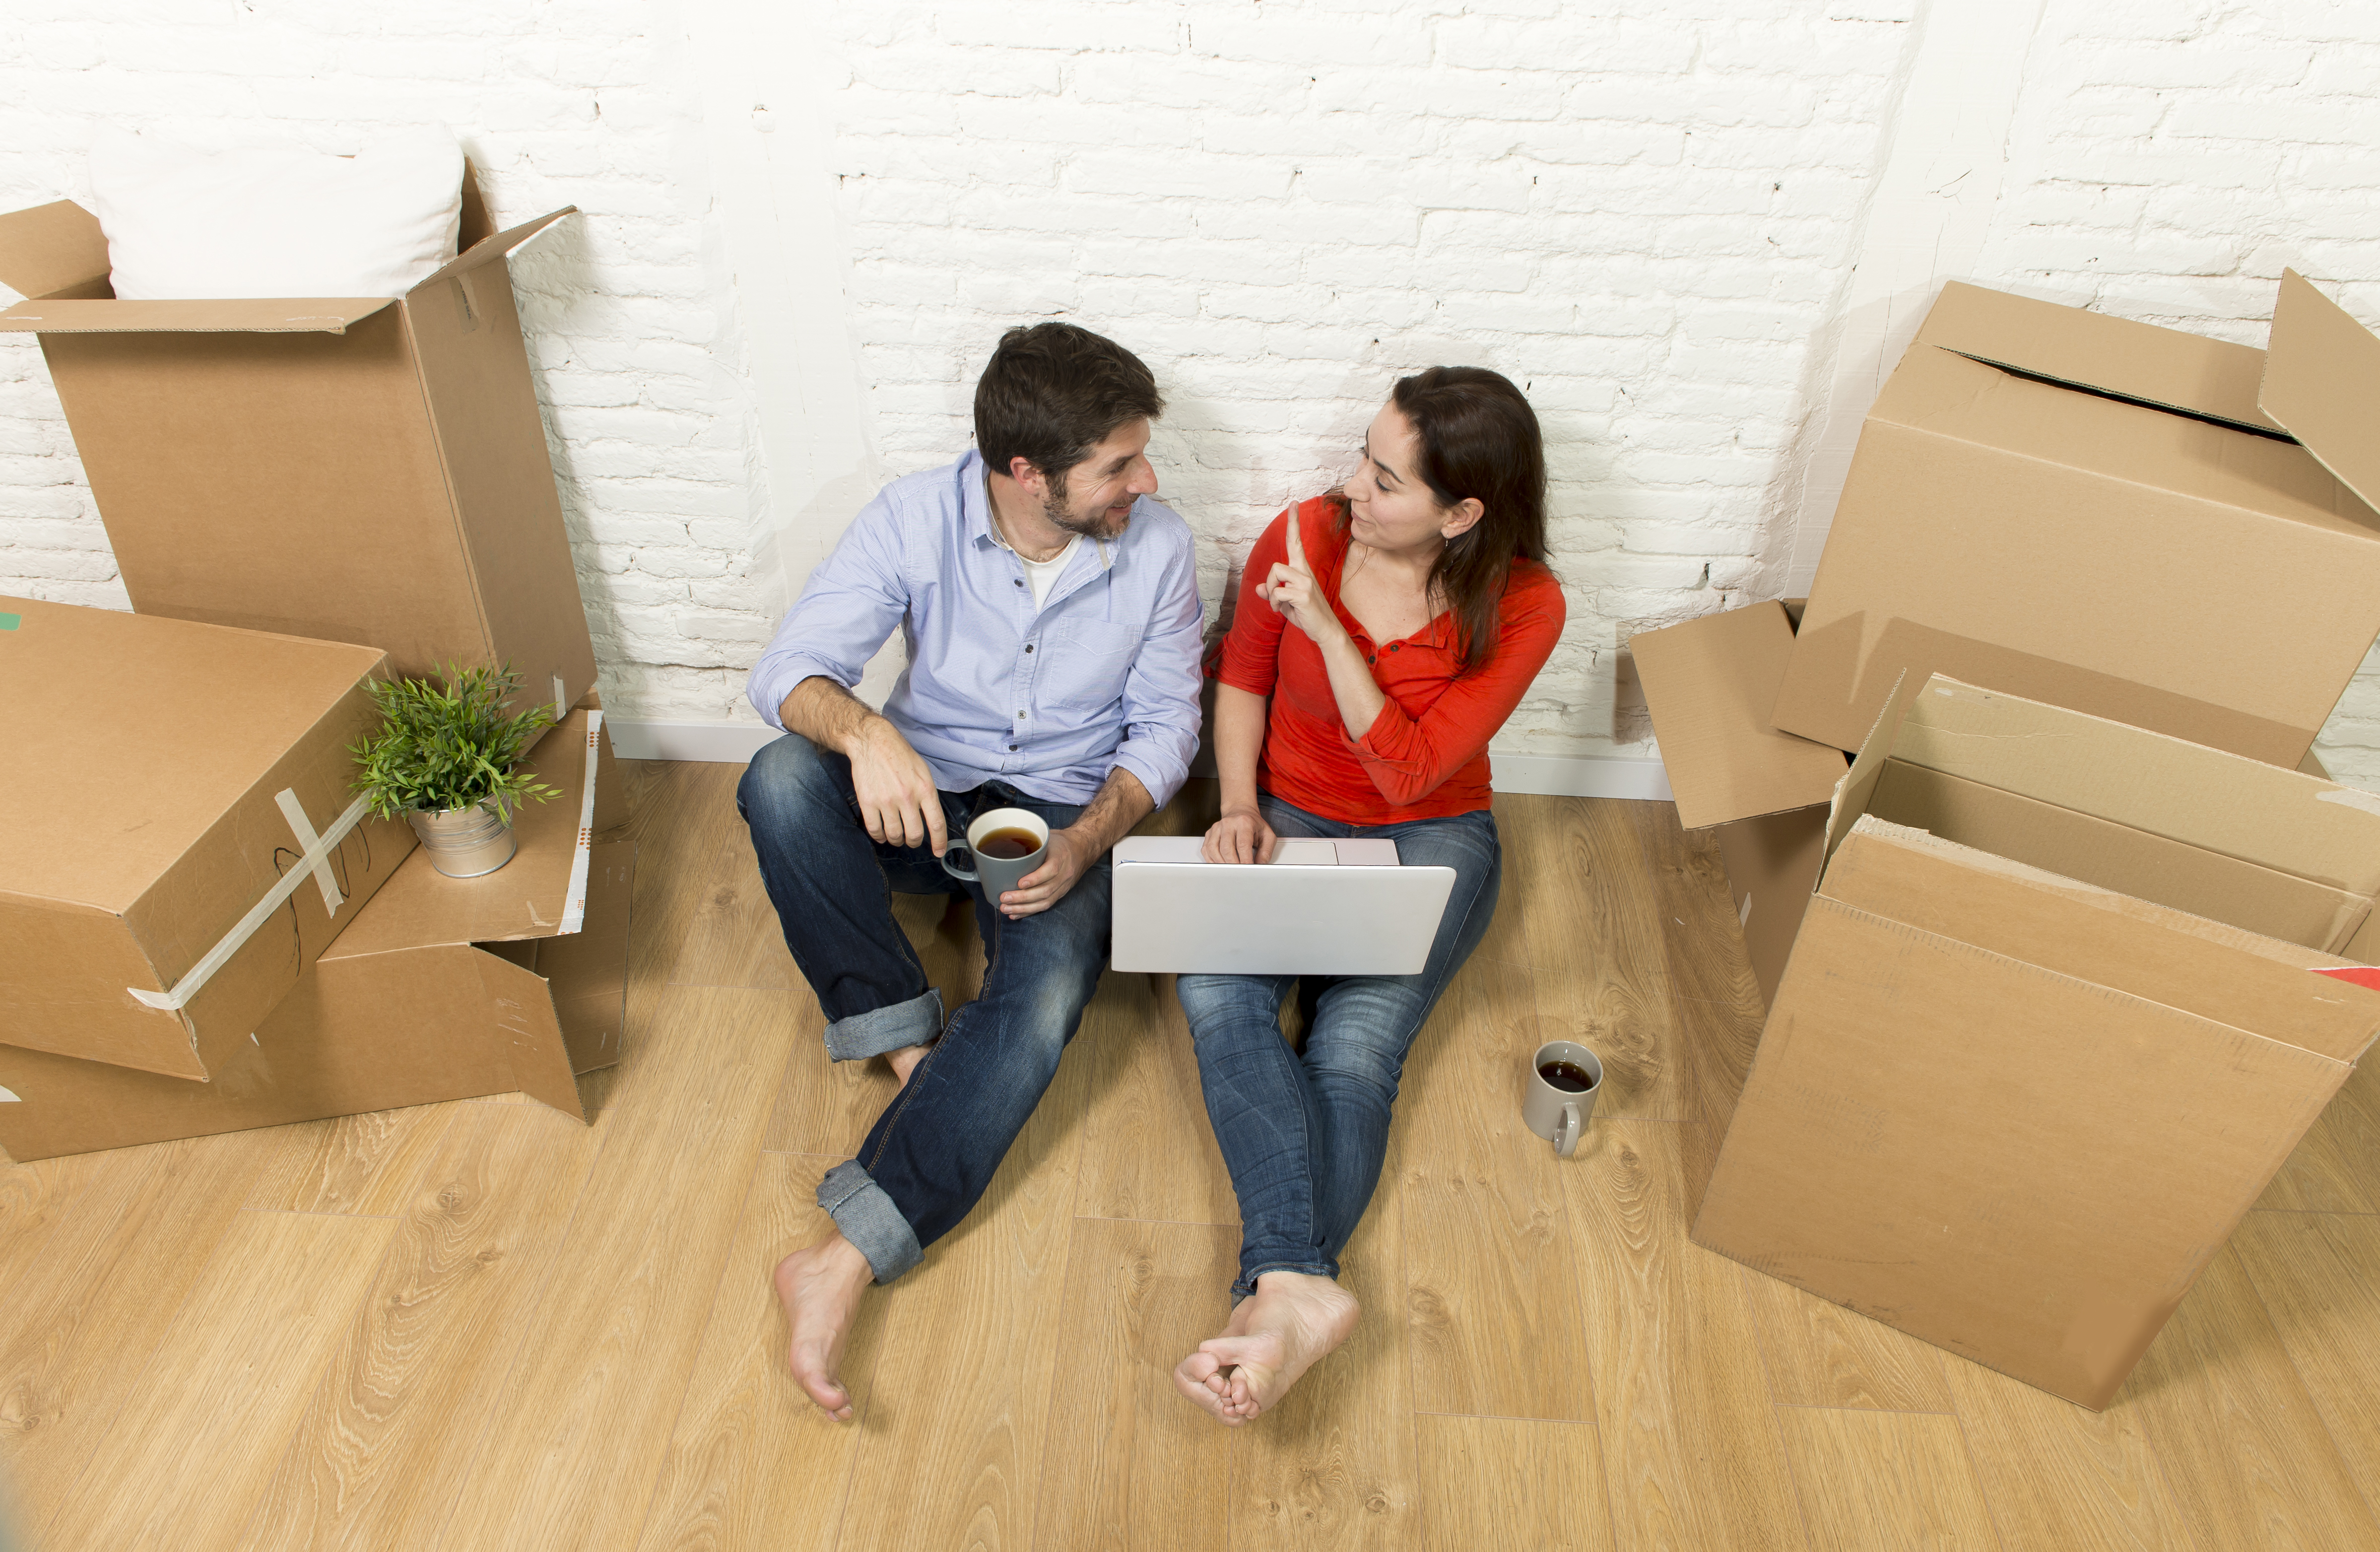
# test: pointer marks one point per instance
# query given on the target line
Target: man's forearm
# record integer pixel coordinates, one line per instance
(1120, 804)
(824, 712)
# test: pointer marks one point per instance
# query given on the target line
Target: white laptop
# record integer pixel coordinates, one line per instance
(1318, 908)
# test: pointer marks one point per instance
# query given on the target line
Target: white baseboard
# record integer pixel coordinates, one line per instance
(1556, 775)
(1582, 775)
(717, 742)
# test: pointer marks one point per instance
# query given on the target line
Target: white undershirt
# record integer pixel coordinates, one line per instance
(1043, 575)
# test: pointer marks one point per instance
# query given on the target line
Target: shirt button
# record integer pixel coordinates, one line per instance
(1012, 748)
(1028, 646)
(1394, 645)
(1018, 581)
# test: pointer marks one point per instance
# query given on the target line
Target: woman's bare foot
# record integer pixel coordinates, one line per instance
(904, 1061)
(1207, 1379)
(1273, 1339)
(819, 1286)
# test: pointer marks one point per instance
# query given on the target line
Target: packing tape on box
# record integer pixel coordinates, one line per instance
(573, 904)
(313, 864)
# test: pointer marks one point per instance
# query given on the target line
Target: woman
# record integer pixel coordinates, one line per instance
(1392, 625)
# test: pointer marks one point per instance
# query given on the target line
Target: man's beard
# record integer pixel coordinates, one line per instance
(1062, 513)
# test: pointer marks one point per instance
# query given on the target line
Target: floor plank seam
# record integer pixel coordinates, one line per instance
(324, 1212)
(1968, 1445)
(536, 1302)
(2321, 1414)
(1889, 1411)
(1514, 1417)
(709, 1313)
(101, 1435)
(1174, 1223)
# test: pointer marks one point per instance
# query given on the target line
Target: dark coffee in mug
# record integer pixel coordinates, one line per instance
(1568, 1077)
(1008, 844)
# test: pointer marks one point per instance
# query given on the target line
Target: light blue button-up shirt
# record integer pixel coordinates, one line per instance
(1048, 699)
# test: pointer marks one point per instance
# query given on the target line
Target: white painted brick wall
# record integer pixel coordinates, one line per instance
(1641, 210)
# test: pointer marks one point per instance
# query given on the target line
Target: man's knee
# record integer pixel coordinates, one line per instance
(792, 779)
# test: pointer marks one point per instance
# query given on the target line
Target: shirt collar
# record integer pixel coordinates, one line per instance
(975, 503)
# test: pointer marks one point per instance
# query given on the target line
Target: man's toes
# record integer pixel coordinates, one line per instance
(1194, 1378)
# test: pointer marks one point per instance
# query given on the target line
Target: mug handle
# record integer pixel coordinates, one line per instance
(952, 868)
(1566, 1131)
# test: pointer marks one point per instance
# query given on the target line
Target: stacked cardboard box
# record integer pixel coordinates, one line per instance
(220, 935)
(2152, 554)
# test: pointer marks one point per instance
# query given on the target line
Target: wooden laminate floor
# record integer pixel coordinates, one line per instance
(484, 1326)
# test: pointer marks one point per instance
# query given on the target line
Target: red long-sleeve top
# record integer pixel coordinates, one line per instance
(1426, 755)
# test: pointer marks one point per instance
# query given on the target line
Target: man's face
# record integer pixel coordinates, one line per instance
(1099, 491)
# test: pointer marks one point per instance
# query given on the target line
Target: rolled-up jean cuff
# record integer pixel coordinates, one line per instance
(914, 1022)
(869, 1221)
(1247, 1284)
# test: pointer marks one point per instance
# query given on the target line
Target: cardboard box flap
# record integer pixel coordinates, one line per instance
(2222, 803)
(1710, 683)
(2164, 368)
(540, 893)
(53, 248)
(2322, 382)
(1857, 789)
(301, 315)
(488, 249)
(2262, 985)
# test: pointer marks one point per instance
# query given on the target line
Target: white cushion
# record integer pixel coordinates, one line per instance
(279, 221)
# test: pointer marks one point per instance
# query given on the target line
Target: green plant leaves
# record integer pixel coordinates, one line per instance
(450, 746)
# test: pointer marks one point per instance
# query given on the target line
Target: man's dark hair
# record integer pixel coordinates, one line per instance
(1053, 392)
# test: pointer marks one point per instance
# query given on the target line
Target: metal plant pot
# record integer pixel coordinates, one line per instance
(465, 843)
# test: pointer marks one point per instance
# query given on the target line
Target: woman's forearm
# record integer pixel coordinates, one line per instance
(1352, 686)
(1239, 734)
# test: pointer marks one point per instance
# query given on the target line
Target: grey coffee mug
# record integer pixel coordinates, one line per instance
(998, 874)
(1553, 1113)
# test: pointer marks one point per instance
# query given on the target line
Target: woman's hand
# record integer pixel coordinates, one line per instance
(1290, 587)
(1241, 835)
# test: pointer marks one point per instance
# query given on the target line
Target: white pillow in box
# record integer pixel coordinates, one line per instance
(279, 221)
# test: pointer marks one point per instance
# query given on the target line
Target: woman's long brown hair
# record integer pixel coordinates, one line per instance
(1478, 438)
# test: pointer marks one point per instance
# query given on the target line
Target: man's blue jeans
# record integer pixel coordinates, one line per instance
(934, 1149)
(1304, 1134)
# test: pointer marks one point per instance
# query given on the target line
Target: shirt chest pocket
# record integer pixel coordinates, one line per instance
(1087, 663)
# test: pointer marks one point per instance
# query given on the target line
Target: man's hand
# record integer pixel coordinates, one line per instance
(1068, 857)
(1241, 835)
(897, 800)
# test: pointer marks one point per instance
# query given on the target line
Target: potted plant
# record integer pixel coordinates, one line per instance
(447, 758)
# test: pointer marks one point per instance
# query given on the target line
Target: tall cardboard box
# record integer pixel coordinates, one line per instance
(442, 988)
(178, 841)
(368, 469)
(1709, 683)
(2164, 530)
(2058, 1012)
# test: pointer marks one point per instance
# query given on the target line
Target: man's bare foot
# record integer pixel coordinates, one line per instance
(904, 1061)
(1273, 1339)
(819, 1286)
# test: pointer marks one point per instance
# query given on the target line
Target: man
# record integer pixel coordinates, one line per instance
(1051, 610)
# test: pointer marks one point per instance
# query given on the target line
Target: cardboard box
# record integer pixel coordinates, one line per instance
(1709, 685)
(2164, 530)
(442, 988)
(367, 469)
(178, 839)
(2013, 1110)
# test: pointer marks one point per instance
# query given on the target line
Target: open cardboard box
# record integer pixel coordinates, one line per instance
(1709, 683)
(178, 841)
(2141, 524)
(368, 469)
(442, 988)
(2056, 1016)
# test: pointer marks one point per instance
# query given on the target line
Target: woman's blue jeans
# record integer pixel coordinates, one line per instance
(1304, 1134)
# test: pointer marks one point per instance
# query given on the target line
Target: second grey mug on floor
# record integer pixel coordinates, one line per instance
(999, 875)
(1556, 1112)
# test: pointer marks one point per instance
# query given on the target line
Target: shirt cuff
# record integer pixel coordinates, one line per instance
(774, 680)
(1161, 781)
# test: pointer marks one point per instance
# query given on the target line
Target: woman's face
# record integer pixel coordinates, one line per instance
(1390, 507)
